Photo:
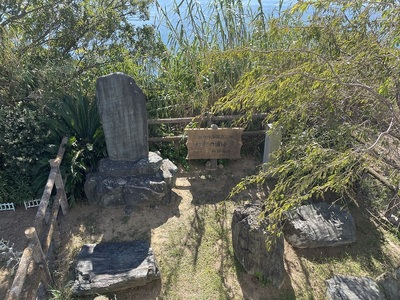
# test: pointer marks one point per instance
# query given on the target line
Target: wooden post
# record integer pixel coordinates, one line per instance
(38, 256)
(60, 187)
(53, 233)
(19, 280)
(212, 163)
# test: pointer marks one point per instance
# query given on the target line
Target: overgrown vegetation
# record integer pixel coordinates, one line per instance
(50, 51)
(325, 71)
(332, 86)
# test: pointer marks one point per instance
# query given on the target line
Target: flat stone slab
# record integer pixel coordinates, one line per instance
(352, 288)
(319, 225)
(110, 267)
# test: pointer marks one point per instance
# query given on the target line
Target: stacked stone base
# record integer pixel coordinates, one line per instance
(147, 181)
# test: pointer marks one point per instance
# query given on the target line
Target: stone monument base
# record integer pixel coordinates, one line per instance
(147, 181)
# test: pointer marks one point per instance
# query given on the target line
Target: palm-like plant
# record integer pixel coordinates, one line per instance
(79, 119)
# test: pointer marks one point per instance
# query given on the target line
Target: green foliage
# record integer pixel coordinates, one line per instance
(23, 145)
(176, 152)
(53, 48)
(78, 119)
(332, 85)
(200, 68)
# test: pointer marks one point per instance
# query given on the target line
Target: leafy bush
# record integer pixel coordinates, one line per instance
(24, 143)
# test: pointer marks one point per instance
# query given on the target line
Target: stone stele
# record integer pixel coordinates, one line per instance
(249, 238)
(111, 267)
(122, 109)
(131, 175)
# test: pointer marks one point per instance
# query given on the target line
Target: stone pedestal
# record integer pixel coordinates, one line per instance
(147, 181)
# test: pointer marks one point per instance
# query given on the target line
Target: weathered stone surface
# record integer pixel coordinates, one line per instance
(249, 239)
(352, 288)
(144, 182)
(169, 171)
(390, 284)
(319, 225)
(131, 175)
(122, 109)
(110, 267)
(120, 168)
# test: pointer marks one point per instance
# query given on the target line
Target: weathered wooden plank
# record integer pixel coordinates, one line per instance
(39, 257)
(218, 143)
(19, 279)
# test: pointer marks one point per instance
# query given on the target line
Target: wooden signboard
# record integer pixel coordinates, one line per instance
(207, 143)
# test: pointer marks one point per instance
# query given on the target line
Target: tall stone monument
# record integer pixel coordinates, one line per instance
(131, 175)
(122, 109)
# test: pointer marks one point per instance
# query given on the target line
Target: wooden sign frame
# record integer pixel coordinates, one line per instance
(207, 143)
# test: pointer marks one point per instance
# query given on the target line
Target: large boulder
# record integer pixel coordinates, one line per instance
(111, 267)
(352, 288)
(389, 283)
(319, 225)
(249, 237)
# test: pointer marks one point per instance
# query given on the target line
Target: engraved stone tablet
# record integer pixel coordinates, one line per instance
(122, 109)
(205, 143)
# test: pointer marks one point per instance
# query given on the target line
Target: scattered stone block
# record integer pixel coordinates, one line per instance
(389, 283)
(111, 267)
(249, 237)
(352, 288)
(319, 225)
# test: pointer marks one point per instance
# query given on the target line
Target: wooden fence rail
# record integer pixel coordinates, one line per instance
(35, 255)
(208, 118)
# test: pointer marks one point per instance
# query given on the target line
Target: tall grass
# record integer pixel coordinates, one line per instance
(204, 61)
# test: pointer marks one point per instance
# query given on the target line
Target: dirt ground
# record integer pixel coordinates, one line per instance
(191, 240)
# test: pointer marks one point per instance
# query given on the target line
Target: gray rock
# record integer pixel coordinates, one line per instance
(145, 191)
(144, 182)
(352, 288)
(111, 267)
(319, 225)
(132, 191)
(249, 239)
(122, 109)
(169, 171)
(120, 168)
(390, 284)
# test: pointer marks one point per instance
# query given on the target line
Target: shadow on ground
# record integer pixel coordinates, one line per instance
(90, 224)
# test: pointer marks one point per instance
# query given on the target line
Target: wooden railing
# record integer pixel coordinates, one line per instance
(33, 267)
(208, 119)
